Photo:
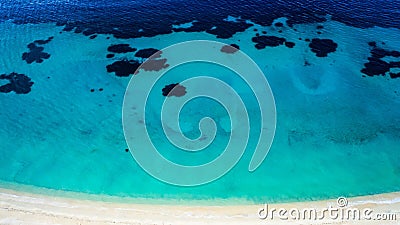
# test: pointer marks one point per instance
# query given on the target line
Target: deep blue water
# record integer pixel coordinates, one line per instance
(125, 18)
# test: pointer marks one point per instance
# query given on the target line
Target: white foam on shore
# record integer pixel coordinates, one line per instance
(379, 202)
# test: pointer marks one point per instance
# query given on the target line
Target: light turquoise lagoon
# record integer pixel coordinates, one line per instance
(337, 133)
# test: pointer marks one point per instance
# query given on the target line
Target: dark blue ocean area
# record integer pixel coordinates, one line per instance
(131, 19)
(332, 66)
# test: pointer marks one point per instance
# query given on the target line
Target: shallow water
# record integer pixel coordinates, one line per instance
(337, 132)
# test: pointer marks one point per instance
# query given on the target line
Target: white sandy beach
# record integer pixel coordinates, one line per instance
(25, 208)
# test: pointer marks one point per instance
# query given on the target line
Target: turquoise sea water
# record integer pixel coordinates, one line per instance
(338, 133)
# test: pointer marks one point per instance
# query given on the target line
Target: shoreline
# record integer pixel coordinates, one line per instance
(17, 207)
(172, 200)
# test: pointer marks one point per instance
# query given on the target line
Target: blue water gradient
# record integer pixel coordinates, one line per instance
(337, 134)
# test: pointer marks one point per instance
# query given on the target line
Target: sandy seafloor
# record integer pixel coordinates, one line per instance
(337, 132)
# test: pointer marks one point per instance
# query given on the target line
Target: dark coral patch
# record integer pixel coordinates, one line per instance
(121, 48)
(31, 46)
(319, 27)
(109, 56)
(394, 75)
(156, 55)
(154, 61)
(19, 83)
(372, 43)
(375, 66)
(235, 46)
(123, 68)
(378, 67)
(322, 47)
(146, 53)
(394, 64)
(176, 90)
(279, 24)
(394, 54)
(67, 27)
(88, 32)
(93, 36)
(154, 64)
(289, 44)
(35, 54)
(264, 41)
(379, 53)
(230, 49)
